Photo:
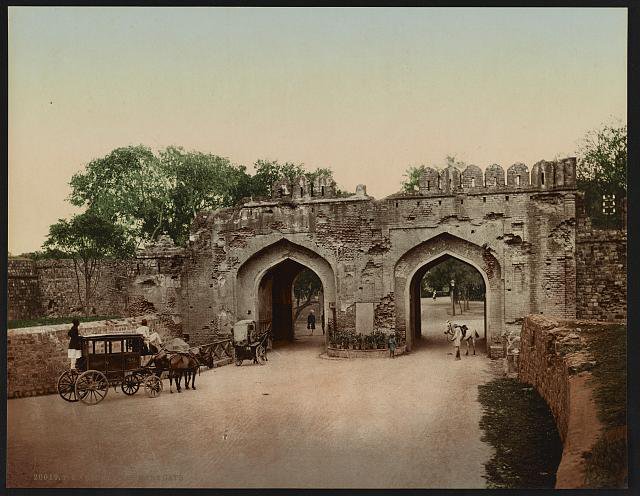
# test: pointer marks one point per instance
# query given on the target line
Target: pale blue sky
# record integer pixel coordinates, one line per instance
(366, 92)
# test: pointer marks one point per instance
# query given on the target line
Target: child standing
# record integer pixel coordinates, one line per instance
(392, 345)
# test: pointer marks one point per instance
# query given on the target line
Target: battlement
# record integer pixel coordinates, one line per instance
(560, 174)
(322, 186)
(544, 176)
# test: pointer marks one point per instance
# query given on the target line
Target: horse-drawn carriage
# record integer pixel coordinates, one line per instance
(108, 360)
(249, 343)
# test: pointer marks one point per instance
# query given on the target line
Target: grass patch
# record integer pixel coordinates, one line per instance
(518, 424)
(18, 324)
(606, 464)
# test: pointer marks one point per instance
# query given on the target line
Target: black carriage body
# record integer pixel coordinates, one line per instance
(115, 355)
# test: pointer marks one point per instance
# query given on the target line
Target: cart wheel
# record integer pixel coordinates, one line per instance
(261, 355)
(92, 387)
(238, 361)
(131, 384)
(67, 386)
(153, 386)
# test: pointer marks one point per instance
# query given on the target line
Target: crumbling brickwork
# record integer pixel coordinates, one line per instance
(23, 289)
(601, 276)
(518, 231)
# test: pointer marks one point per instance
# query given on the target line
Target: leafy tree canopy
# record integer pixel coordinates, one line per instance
(151, 194)
(468, 280)
(602, 160)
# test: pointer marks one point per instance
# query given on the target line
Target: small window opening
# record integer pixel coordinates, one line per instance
(473, 182)
(439, 184)
(484, 199)
(322, 191)
(439, 202)
(396, 204)
(418, 203)
(449, 183)
(428, 185)
(518, 181)
(311, 191)
(460, 178)
(461, 201)
(506, 198)
(301, 191)
(542, 178)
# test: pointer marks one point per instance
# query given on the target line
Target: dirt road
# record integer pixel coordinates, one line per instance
(299, 421)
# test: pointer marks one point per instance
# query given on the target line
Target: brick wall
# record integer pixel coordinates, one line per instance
(554, 359)
(23, 291)
(601, 275)
(36, 356)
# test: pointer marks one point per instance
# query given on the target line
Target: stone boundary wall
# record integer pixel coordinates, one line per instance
(601, 275)
(553, 358)
(36, 356)
(23, 290)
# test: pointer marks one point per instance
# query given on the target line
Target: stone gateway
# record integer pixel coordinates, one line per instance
(518, 230)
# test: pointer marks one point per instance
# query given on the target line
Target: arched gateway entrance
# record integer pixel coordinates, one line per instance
(411, 267)
(265, 281)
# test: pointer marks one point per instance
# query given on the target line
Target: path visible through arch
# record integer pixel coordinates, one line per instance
(299, 421)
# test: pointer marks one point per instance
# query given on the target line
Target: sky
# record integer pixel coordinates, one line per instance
(366, 92)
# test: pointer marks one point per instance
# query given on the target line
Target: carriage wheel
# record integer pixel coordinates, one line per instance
(261, 355)
(92, 387)
(67, 386)
(131, 384)
(153, 386)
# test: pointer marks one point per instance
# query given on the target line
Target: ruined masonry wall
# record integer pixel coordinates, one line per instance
(23, 290)
(523, 239)
(553, 358)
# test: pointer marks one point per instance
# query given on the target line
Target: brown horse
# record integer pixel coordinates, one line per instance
(178, 364)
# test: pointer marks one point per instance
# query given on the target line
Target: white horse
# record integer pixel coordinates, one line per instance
(466, 335)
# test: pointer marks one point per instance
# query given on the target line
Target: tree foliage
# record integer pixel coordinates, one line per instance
(601, 175)
(411, 184)
(149, 194)
(306, 287)
(87, 238)
(603, 159)
(468, 281)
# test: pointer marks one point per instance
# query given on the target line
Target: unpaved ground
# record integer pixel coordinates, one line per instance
(299, 421)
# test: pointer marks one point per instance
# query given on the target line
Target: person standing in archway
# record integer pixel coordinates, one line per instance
(311, 321)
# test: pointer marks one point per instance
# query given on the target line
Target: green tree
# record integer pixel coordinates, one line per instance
(268, 172)
(411, 184)
(468, 281)
(151, 195)
(128, 187)
(86, 239)
(306, 287)
(198, 181)
(603, 159)
(602, 174)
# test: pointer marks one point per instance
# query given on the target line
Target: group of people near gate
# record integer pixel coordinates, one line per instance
(151, 344)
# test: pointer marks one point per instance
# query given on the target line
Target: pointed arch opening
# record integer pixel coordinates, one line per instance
(281, 285)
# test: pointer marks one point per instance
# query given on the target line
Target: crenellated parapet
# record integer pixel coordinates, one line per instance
(322, 186)
(545, 175)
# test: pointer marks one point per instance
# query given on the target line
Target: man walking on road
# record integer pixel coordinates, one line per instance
(311, 321)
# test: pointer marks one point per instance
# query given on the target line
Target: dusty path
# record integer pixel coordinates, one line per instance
(299, 421)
